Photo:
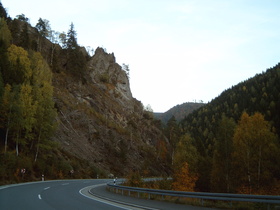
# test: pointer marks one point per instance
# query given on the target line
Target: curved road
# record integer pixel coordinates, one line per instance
(73, 194)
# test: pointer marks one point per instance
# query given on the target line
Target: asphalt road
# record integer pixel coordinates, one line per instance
(73, 194)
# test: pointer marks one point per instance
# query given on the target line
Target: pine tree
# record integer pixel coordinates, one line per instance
(3, 13)
(221, 175)
(72, 38)
(44, 29)
(76, 61)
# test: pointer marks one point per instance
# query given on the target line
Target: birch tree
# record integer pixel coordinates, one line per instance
(254, 145)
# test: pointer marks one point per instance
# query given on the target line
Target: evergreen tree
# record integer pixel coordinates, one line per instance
(72, 38)
(23, 18)
(24, 37)
(3, 13)
(76, 61)
(43, 27)
(221, 176)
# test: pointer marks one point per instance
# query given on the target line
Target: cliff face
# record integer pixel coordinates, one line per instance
(100, 122)
(101, 127)
(104, 69)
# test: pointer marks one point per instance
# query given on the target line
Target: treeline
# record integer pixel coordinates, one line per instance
(232, 143)
(179, 111)
(60, 49)
(27, 110)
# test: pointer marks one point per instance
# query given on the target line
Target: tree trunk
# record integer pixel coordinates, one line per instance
(259, 167)
(248, 171)
(6, 139)
(17, 143)
(37, 150)
(17, 147)
(53, 48)
(7, 131)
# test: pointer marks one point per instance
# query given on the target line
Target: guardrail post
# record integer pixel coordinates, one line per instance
(202, 202)
(149, 196)
(128, 192)
(138, 194)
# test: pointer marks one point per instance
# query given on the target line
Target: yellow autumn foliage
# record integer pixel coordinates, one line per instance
(183, 180)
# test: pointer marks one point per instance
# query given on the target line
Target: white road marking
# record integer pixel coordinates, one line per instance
(127, 206)
(39, 196)
(65, 183)
(47, 188)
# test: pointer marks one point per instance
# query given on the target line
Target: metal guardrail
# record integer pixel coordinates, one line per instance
(267, 199)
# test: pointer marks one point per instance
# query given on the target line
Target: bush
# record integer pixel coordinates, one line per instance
(134, 180)
(104, 78)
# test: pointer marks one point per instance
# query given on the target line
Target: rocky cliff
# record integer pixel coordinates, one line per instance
(104, 69)
(100, 122)
(101, 128)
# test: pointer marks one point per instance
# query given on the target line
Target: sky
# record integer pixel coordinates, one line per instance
(177, 50)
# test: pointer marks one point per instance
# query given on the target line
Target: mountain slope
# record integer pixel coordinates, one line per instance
(100, 128)
(101, 122)
(179, 112)
(258, 94)
(212, 130)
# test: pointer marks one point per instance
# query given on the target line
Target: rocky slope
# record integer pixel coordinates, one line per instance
(101, 128)
(100, 122)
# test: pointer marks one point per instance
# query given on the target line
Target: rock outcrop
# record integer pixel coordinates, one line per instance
(104, 70)
(101, 122)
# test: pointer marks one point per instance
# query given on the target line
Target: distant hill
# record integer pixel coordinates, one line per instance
(178, 111)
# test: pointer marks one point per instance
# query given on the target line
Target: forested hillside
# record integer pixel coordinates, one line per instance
(234, 140)
(66, 113)
(179, 112)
